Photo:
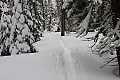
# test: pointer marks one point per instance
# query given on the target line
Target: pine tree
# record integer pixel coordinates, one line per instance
(109, 27)
(5, 26)
(116, 26)
(105, 28)
(107, 24)
(76, 10)
(45, 13)
(37, 19)
(61, 14)
(50, 17)
(20, 26)
(21, 38)
(58, 13)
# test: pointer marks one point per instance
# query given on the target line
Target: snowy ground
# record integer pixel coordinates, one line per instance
(59, 58)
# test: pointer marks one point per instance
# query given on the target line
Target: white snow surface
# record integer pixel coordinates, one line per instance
(59, 58)
(100, 1)
(69, 13)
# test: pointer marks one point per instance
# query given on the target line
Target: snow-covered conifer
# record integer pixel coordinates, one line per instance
(37, 18)
(5, 27)
(50, 18)
(21, 37)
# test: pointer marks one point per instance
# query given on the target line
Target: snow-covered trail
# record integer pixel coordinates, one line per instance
(66, 61)
(59, 58)
(75, 61)
(70, 70)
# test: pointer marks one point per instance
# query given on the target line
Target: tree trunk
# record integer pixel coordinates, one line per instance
(116, 14)
(118, 57)
(63, 23)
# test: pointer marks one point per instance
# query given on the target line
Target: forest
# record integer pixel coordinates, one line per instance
(68, 37)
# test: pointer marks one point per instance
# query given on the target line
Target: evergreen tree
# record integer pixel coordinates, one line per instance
(58, 13)
(5, 27)
(106, 22)
(45, 13)
(105, 28)
(20, 26)
(37, 19)
(50, 17)
(21, 38)
(76, 11)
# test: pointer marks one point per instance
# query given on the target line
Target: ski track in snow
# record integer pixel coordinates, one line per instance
(65, 61)
(68, 64)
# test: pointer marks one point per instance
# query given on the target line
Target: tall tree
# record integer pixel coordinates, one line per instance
(20, 26)
(50, 17)
(116, 24)
(45, 13)
(58, 13)
(63, 20)
(61, 14)
(76, 12)
(5, 27)
(21, 38)
(37, 19)
(107, 19)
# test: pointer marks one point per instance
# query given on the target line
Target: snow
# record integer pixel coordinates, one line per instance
(66, 3)
(23, 47)
(28, 12)
(4, 9)
(69, 13)
(16, 2)
(19, 8)
(68, 64)
(84, 24)
(22, 19)
(116, 30)
(100, 1)
(17, 15)
(14, 50)
(59, 58)
(30, 23)
(54, 3)
(67, 0)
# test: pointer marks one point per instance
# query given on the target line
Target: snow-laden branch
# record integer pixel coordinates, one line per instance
(66, 3)
(83, 27)
(116, 30)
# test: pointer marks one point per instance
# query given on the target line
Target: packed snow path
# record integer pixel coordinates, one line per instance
(59, 58)
(68, 63)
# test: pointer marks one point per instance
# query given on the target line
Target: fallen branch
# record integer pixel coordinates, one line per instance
(108, 62)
